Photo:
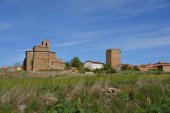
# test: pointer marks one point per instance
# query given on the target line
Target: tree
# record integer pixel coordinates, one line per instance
(18, 64)
(24, 64)
(76, 62)
(68, 65)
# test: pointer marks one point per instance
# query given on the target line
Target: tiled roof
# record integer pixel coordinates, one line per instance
(93, 62)
(155, 65)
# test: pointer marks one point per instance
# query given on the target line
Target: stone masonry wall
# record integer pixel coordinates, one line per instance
(166, 68)
(41, 61)
(113, 57)
(52, 57)
(41, 58)
(29, 60)
(41, 48)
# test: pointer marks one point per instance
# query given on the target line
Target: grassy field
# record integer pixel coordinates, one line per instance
(140, 93)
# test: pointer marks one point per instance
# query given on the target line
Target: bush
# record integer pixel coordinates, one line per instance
(87, 70)
(107, 67)
(98, 71)
(126, 67)
(136, 68)
(111, 71)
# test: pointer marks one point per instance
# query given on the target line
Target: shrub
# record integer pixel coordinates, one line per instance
(136, 68)
(87, 70)
(107, 67)
(98, 71)
(126, 67)
(111, 71)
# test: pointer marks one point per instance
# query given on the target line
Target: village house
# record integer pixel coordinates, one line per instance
(91, 65)
(163, 66)
(41, 58)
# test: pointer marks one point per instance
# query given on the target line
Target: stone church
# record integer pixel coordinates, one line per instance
(41, 58)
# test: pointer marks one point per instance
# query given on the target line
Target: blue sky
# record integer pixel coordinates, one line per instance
(86, 28)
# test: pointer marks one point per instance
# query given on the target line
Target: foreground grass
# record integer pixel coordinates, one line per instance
(147, 93)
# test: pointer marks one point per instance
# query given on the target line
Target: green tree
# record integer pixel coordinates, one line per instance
(18, 64)
(68, 65)
(76, 62)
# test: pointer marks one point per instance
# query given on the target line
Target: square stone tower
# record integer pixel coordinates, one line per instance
(113, 57)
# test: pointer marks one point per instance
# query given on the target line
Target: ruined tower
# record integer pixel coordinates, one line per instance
(113, 57)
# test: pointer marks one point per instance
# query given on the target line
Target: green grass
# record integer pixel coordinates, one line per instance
(140, 93)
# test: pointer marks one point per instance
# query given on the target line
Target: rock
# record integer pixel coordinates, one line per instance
(22, 108)
(49, 99)
(149, 100)
(112, 91)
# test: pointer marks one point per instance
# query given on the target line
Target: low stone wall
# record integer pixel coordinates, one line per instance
(21, 74)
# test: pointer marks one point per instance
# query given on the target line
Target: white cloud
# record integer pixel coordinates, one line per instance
(135, 44)
(73, 43)
(166, 29)
(4, 25)
(119, 6)
(135, 41)
(85, 34)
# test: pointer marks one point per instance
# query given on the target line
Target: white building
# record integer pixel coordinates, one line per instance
(93, 65)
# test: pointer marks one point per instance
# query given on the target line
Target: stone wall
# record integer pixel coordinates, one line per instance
(41, 48)
(166, 68)
(29, 60)
(52, 57)
(41, 61)
(55, 65)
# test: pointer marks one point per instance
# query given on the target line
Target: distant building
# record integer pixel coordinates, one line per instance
(17, 68)
(113, 57)
(93, 65)
(163, 66)
(41, 58)
(6, 68)
(11, 68)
